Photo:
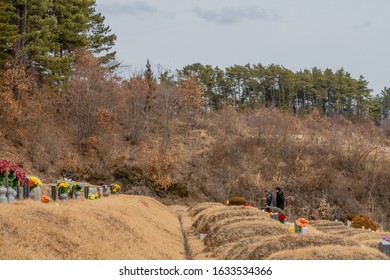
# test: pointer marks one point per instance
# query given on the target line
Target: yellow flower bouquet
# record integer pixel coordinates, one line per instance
(63, 186)
(116, 188)
(34, 182)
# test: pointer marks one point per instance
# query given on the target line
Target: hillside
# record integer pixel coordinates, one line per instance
(141, 228)
(328, 167)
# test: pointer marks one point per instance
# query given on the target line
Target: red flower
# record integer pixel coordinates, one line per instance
(282, 217)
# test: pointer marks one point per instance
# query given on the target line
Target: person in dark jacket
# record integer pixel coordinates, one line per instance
(279, 198)
(269, 197)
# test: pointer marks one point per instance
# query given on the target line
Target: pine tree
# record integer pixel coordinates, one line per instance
(51, 31)
(385, 100)
(8, 31)
(151, 82)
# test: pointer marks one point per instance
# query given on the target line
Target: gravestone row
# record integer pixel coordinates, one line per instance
(10, 195)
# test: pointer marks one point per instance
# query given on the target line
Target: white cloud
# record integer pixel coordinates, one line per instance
(230, 15)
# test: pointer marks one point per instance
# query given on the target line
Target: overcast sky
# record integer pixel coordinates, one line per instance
(298, 34)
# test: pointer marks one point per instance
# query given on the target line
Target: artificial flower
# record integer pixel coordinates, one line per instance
(64, 185)
(34, 182)
(116, 188)
(78, 186)
(45, 199)
(12, 171)
(387, 238)
(302, 222)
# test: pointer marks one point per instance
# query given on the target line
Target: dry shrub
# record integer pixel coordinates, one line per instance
(89, 92)
(160, 167)
(237, 200)
(360, 221)
(330, 252)
(135, 108)
(72, 167)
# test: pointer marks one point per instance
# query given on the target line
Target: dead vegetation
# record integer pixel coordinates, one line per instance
(137, 227)
(117, 227)
(158, 140)
(246, 233)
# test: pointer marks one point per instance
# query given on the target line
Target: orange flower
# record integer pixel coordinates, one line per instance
(45, 199)
(302, 222)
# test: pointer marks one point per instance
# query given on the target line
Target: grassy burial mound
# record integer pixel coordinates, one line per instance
(239, 232)
(116, 227)
(330, 252)
(363, 237)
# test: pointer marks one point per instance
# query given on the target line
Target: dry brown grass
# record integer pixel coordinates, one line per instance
(197, 208)
(137, 227)
(239, 232)
(210, 215)
(117, 227)
(267, 247)
(330, 252)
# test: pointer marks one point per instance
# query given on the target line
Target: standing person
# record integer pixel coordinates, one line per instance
(269, 197)
(279, 198)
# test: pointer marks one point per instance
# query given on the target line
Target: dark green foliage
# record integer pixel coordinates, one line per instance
(273, 86)
(385, 100)
(49, 32)
(8, 31)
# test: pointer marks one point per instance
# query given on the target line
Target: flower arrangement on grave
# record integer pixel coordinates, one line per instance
(116, 188)
(302, 222)
(64, 185)
(99, 194)
(78, 187)
(13, 172)
(34, 182)
(93, 196)
(387, 238)
(45, 199)
(282, 218)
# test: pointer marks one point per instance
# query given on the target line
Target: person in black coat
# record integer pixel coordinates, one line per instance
(279, 198)
(269, 197)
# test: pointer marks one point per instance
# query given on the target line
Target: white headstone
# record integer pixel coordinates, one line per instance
(37, 194)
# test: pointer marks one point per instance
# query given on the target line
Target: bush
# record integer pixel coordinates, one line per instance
(237, 200)
(362, 220)
(350, 217)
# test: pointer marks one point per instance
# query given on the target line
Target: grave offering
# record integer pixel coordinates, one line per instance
(64, 187)
(384, 245)
(115, 189)
(301, 225)
(11, 177)
(35, 191)
(78, 187)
